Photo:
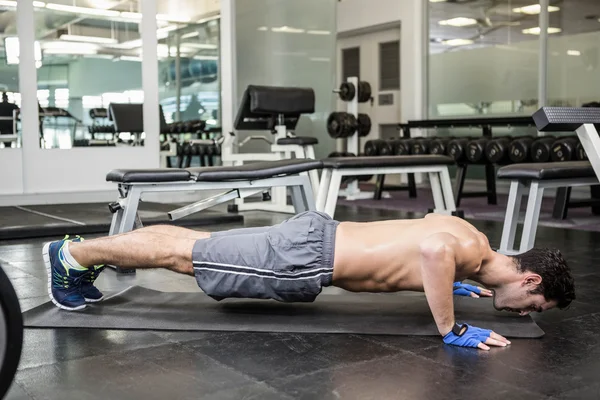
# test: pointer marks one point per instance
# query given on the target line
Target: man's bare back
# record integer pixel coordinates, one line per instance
(385, 256)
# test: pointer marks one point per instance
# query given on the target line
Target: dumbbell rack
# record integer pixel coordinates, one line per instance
(352, 190)
(411, 185)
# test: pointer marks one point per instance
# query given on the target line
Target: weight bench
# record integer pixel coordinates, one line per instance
(534, 178)
(276, 110)
(436, 166)
(238, 182)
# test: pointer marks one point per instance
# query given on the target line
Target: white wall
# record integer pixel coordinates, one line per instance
(360, 14)
(355, 17)
(12, 176)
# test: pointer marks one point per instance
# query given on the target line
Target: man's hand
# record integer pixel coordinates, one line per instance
(463, 289)
(471, 336)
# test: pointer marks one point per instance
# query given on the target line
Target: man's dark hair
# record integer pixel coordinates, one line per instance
(557, 282)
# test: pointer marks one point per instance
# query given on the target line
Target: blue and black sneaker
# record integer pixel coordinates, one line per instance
(64, 281)
(88, 290)
(90, 293)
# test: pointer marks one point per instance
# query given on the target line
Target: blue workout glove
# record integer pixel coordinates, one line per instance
(471, 337)
(464, 289)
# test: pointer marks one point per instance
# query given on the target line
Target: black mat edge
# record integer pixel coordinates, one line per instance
(35, 231)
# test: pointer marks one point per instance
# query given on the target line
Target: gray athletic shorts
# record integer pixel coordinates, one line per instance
(289, 262)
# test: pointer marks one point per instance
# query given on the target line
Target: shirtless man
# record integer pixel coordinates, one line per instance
(293, 261)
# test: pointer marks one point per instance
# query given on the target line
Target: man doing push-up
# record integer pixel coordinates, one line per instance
(294, 260)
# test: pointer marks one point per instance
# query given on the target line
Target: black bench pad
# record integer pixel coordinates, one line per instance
(281, 100)
(547, 171)
(386, 161)
(148, 175)
(257, 170)
(298, 140)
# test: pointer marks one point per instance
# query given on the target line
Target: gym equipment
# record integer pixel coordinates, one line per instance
(519, 149)
(457, 149)
(378, 147)
(358, 313)
(534, 178)
(475, 151)
(564, 149)
(541, 149)
(530, 180)
(347, 91)
(11, 333)
(421, 145)
(276, 110)
(497, 150)
(364, 125)
(343, 125)
(439, 145)
(436, 166)
(580, 153)
(403, 147)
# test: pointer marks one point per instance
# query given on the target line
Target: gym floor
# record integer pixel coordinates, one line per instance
(103, 364)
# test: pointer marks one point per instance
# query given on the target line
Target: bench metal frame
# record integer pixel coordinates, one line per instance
(439, 177)
(534, 189)
(130, 194)
(588, 136)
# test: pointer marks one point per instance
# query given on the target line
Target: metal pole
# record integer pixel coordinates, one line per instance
(543, 59)
(178, 77)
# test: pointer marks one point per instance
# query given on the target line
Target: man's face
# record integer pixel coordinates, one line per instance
(518, 298)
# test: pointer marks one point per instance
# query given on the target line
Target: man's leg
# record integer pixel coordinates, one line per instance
(152, 247)
(74, 265)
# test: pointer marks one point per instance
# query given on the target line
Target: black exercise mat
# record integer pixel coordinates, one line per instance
(373, 314)
(18, 223)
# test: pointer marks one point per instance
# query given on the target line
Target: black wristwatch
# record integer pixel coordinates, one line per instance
(458, 329)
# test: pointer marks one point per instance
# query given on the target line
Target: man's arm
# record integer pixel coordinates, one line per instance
(438, 269)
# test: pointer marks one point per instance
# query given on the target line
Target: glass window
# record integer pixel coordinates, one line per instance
(350, 63)
(389, 65)
(574, 54)
(483, 58)
(288, 43)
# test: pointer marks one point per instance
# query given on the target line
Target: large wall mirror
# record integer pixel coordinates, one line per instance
(89, 72)
(9, 78)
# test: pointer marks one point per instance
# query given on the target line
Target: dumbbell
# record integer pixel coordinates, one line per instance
(341, 124)
(402, 146)
(497, 150)
(519, 150)
(378, 147)
(421, 146)
(439, 145)
(336, 154)
(187, 149)
(580, 153)
(347, 91)
(457, 149)
(475, 150)
(564, 149)
(541, 148)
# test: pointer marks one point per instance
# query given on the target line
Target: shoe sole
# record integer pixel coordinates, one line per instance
(93, 300)
(46, 255)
